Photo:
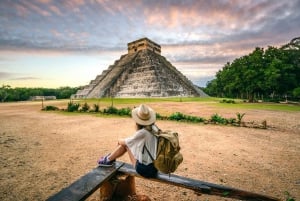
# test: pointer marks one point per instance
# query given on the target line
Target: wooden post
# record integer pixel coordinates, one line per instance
(126, 187)
(120, 187)
(106, 191)
(42, 103)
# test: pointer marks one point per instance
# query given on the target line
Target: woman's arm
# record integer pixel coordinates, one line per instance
(121, 142)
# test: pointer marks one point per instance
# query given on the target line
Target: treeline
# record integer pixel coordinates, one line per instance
(8, 94)
(272, 74)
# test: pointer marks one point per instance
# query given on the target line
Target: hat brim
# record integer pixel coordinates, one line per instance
(139, 121)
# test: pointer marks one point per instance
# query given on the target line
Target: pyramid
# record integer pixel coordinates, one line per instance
(143, 72)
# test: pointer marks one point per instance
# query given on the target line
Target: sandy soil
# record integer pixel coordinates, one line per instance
(43, 152)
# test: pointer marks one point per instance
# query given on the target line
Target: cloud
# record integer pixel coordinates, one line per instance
(54, 9)
(5, 75)
(25, 78)
(94, 25)
(197, 35)
(16, 76)
(202, 59)
(34, 8)
(221, 21)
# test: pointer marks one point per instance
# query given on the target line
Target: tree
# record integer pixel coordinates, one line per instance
(4, 92)
(296, 92)
(23, 94)
(274, 72)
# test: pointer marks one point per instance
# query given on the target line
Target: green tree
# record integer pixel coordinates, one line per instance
(271, 73)
(296, 92)
(4, 92)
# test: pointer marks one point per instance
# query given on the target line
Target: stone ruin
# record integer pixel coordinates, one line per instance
(143, 72)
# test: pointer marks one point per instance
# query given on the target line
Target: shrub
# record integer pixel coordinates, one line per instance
(73, 106)
(96, 107)
(231, 120)
(177, 116)
(194, 119)
(124, 112)
(218, 119)
(288, 196)
(110, 110)
(121, 112)
(85, 107)
(227, 101)
(50, 107)
(239, 117)
(158, 116)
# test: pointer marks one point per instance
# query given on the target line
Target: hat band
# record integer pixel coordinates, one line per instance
(143, 117)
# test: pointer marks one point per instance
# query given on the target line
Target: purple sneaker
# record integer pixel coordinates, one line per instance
(104, 162)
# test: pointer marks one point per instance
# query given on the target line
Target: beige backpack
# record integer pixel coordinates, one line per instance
(168, 157)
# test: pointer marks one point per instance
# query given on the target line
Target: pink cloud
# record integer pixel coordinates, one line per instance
(127, 7)
(55, 10)
(21, 10)
(56, 33)
(45, 1)
(34, 8)
(231, 16)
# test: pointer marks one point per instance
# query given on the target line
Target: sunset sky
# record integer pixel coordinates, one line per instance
(55, 43)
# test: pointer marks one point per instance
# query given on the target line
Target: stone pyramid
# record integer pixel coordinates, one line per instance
(143, 72)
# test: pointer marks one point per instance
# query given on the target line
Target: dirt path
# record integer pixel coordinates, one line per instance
(42, 152)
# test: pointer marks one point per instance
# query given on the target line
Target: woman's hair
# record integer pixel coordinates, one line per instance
(139, 127)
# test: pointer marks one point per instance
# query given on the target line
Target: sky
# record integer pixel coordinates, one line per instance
(58, 43)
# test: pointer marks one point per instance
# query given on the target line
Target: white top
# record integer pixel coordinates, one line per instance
(136, 144)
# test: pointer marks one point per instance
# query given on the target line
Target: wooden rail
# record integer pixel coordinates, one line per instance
(105, 179)
(86, 185)
(201, 186)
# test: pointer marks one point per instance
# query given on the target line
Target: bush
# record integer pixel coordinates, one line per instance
(177, 116)
(218, 119)
(240, 117)
(121, 112)
(227, 101)
(96, 107)
(110, 110)
(158, 116)
(72, 107)
(50, 108)
(85, 107)
(124, 112)
(194, 119)
(231, 120)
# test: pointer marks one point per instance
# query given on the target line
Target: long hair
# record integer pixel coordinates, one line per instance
(148, 127)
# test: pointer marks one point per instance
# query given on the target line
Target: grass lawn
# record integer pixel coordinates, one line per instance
(239, 104)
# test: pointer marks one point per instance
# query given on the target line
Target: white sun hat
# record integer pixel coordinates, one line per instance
(143, 115)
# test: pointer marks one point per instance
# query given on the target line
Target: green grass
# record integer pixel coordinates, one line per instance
(105, 102)
(146, 100)
(262, 106)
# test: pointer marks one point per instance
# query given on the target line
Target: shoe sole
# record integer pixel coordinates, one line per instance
(104, 165)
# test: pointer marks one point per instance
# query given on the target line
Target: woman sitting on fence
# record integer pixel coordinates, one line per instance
(144, 118)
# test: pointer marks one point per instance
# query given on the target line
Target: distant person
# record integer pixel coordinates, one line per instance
(144, 118)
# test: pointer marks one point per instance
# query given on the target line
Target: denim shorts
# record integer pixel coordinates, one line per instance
(147, 171)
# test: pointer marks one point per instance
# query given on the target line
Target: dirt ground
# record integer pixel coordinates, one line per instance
(43, 152)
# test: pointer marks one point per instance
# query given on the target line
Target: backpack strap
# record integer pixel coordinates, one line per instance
(154, 130)
(148, 152)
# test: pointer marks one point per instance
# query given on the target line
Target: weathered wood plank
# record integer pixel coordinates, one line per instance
(201, 186)
(86, 185)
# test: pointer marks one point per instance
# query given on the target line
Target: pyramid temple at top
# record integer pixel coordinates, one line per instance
(143, 72)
